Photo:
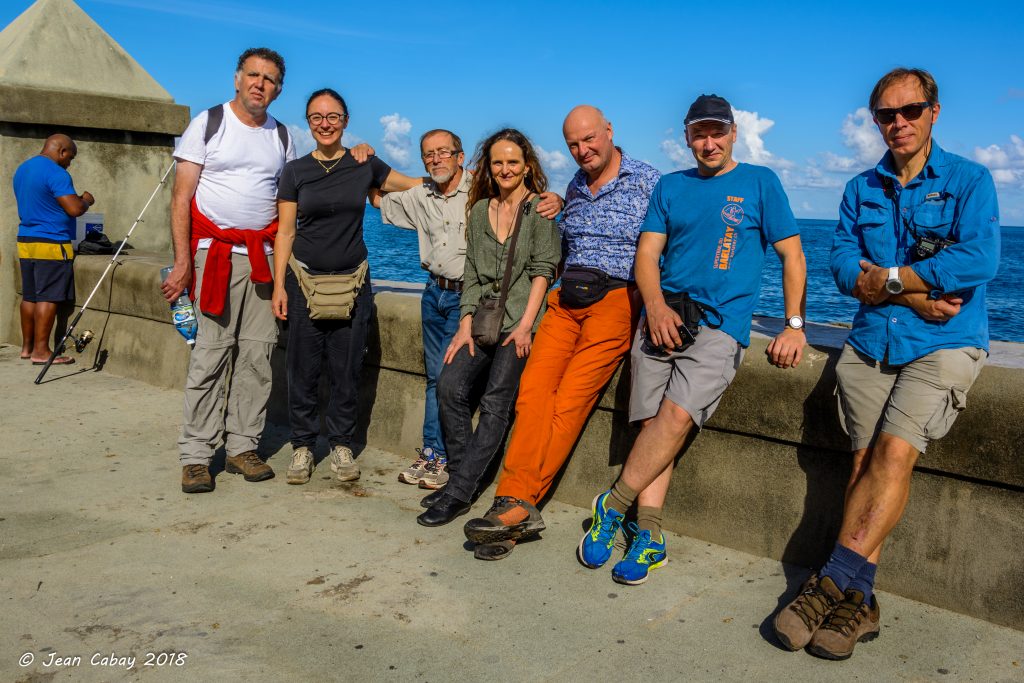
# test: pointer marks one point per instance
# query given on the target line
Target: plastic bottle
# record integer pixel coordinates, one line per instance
(183, 314)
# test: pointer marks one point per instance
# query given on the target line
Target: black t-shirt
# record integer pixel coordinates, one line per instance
(329, 229)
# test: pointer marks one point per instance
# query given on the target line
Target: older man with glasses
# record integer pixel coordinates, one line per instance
(436, 210)
(917, 241)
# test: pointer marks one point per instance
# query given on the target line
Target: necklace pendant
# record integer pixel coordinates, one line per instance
(495, 286)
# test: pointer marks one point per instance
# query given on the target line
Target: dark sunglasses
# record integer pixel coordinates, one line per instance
(910, 112)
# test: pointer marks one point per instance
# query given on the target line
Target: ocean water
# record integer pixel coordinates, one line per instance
(394, 255)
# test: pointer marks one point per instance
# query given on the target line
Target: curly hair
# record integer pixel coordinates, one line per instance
(263, 53)
(484, 186)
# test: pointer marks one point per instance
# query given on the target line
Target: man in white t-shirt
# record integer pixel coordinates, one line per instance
(223, 223)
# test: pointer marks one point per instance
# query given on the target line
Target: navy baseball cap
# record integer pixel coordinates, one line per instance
(709, 108)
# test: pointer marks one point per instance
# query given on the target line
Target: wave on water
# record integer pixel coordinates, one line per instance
(394, 255)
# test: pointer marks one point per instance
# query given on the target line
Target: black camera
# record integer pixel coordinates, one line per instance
(692, 313)
(926, 247)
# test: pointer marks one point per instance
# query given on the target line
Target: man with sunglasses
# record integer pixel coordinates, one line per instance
(917, 241)
(436, 210)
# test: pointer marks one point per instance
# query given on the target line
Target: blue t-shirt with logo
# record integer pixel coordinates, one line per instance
(37, 184)
(718, 228)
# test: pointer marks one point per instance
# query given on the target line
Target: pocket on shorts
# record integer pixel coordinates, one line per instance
(945, 415)
(841, 407)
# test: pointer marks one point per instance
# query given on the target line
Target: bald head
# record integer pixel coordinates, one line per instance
(61, 149)
(588, 134)
(584, 114)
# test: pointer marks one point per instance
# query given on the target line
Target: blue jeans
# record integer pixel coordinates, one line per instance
(439, 311)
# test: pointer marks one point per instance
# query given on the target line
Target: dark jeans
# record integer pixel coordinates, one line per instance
(470, 452)
(343, 344)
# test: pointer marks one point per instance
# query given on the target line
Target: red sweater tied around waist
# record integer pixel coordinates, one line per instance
(217, 276)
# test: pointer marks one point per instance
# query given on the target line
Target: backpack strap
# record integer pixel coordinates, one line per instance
(282, 132)
(215, 119)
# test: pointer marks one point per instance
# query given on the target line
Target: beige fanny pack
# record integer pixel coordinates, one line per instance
(330, 297)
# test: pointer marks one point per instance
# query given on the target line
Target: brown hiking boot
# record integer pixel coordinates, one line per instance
(196, 479)
(853, 621)
(509, 519)
(795, 624)
(249, 465)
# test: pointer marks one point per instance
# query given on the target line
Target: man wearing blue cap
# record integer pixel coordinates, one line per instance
(712, 225)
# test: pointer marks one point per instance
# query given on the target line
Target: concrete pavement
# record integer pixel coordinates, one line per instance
(102, 556)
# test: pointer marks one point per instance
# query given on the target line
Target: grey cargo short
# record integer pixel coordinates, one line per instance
(694, 379)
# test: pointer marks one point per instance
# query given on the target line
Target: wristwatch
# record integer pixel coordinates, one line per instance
(894, 285)
(795, 322)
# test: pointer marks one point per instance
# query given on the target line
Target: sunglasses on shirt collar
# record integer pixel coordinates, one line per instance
(909, 112)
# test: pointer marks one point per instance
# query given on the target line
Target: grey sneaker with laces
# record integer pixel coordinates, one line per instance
(413, 474)
(301, 467)
(343, 464)
(435, 474)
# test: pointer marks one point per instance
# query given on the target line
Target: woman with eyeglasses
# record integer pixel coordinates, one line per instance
(321, 200)
(503, 198)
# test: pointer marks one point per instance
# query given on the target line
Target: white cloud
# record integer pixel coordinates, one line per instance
(860, 135)
(558, 166)
(301, 139)
(750, 146)
(397, 143)
(679, 154)
(810, 177)
(840, 164)
(1005, 162)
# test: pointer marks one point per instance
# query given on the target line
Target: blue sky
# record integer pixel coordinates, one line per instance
(799, 73)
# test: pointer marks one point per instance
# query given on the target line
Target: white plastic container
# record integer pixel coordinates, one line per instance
(85, 222)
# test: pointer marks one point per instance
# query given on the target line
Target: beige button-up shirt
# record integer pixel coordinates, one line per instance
(439, 221)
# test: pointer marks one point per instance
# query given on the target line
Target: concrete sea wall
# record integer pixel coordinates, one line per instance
(766, 476)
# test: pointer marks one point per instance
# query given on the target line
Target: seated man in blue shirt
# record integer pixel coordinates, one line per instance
(709, 227)
(917, 240)
(47, 207)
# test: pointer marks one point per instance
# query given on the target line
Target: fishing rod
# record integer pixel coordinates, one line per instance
(82, 340)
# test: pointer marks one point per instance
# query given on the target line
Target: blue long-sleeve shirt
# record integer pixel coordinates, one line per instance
(952, 198)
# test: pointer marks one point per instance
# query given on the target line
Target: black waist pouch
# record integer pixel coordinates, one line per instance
(693, 313)
(582, 286)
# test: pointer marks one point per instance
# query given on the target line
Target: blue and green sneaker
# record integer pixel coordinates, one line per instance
(644, 555)
(596, 545)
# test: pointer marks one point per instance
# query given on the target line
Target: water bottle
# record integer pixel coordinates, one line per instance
(183, 314)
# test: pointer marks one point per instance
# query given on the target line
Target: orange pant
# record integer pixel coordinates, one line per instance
(575, 353)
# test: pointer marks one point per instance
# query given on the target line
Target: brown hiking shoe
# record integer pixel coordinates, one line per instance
(853, 621)
(509, 519)
(196, 479)
(795, 624)
(249, 465)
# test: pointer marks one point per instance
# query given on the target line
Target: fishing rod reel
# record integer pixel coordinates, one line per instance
(82, 340)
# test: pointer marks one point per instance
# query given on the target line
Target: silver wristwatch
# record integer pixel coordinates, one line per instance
(894, 285)
(795, 321)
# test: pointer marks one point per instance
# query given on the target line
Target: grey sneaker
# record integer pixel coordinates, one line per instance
(435, 474)
(301, 468)
(343, 464)
(413, 474)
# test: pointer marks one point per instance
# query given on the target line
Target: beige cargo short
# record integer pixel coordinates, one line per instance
(916, 402)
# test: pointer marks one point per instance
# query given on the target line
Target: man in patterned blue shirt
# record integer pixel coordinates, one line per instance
(917, 241)
(583, 336)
